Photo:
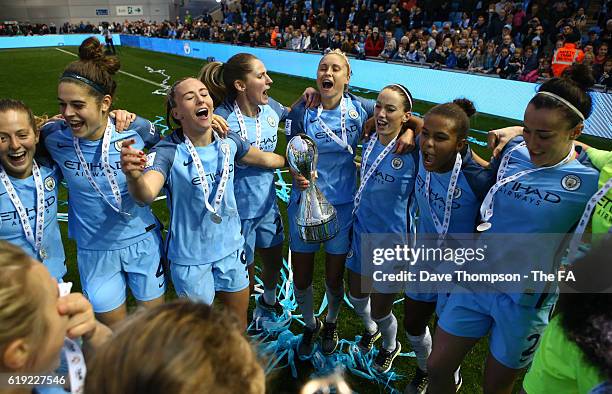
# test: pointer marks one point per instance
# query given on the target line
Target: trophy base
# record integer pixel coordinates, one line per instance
(320, 232)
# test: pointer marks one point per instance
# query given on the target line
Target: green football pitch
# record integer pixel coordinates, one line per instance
(31, 75)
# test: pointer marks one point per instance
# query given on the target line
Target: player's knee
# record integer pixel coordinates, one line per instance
(414, 325)
(437, 367)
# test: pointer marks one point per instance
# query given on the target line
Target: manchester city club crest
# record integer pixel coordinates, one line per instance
(118, 145)
(397, 163)
(271, 121)
(457, 193)
(49, 183)
(353, 114)
(186, 48)
(571, 182)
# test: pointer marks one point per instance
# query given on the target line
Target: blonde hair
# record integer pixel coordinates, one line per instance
(346, 62)
(179, 347)
(19, 317)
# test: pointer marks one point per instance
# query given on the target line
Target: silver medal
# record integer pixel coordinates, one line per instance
(43, 254)
(484, 226)
(216, 218)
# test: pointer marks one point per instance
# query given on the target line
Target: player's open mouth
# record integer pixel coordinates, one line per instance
(327, 84)
(265, 93)
(76, 125)
(428, 159)
(380, 123)
(17, 159)
(202, 113)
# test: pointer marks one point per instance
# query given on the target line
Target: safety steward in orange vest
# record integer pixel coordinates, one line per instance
(567, 55)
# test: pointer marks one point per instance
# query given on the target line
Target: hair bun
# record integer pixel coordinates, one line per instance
(580, 74)
(92, 50)
(466, 105)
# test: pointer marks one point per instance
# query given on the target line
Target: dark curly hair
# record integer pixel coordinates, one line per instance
(586, 312)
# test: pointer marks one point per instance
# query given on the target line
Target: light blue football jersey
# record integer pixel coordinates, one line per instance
(91, 221)
(193, 238)
(254, 186)
(472, 186)
(546, 201)
(10, 225)
(550, 201)
(387, 194)
(336, 170)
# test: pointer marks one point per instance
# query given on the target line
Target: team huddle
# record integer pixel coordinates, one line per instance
(417, 177)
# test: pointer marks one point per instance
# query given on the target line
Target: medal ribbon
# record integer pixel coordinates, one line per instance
(243, 129)
(74, 356)
(204, 182)
(486, 209)
(365, 176)
(442, 228)
(586, 215)
(108, 171)
(344, 141)
(35, 239)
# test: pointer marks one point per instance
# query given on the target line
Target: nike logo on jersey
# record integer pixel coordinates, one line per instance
(186, 163)
(313, 120)
(63, 146)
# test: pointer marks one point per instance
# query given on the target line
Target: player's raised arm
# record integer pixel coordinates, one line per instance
(143, 187)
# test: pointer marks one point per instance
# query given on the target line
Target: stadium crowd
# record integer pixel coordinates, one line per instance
(502, 38)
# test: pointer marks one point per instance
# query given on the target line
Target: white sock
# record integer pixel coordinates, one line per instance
(362, 309)
(304, 300)
(421, 344)
(334, 300)
(457, 374)
(388, 328)
(269, 296)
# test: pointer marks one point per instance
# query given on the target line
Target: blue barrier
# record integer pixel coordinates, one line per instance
(499, 97)
(51, 40)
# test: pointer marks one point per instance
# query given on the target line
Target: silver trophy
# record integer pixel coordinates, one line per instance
(316, 218)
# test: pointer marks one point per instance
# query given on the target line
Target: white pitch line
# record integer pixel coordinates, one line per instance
(123, 72)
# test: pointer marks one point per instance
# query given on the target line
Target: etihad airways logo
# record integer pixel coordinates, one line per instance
(529, 194)
(8, 216)
(211, 178)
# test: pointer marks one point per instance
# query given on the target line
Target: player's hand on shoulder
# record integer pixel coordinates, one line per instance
(497, 139)
(220, 125)
(405, 142)
(123, 119)
(311, 97)
(369, 127)
(133, 161)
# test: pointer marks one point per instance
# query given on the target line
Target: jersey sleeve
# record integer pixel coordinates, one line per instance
(146, 130)
(511, 144)
(224, 110)
(367, 104)
(280, 109)
(294, 124)
(161, 157)
(50, 127)
(599, 157)
(480, 179)
(242, 145)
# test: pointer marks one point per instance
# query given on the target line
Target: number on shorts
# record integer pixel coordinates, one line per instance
(526, 355)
